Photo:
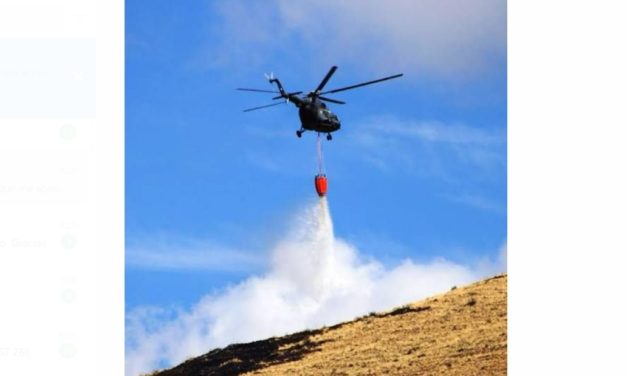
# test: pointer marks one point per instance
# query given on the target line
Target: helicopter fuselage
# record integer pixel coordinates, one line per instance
(315, 116)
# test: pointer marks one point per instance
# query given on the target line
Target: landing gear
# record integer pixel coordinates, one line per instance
(299, 134)
(329, 137)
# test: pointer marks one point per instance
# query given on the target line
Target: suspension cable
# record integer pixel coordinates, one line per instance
(320, 157)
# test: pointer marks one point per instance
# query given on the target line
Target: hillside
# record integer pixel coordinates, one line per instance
(461, 332)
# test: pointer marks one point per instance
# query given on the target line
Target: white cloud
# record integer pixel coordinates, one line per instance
(399, 145)
(174, 254)
(478, 201)
(429, 147)
(445, 38)
(314, 279)
(433, 131)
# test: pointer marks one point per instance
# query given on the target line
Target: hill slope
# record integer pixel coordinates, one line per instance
(461, 332)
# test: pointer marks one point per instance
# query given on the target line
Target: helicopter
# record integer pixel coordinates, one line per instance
(312, 109)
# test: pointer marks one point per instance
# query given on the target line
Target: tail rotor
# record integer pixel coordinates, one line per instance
(269, 77)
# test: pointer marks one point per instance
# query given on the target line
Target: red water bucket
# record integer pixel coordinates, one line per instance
(321, 184)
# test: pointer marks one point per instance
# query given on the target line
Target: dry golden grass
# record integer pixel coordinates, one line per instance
(461, 332)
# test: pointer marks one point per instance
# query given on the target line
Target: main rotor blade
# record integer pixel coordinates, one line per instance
(288, 94)
(257, 90)
(260, 107)
(332, 100)
(362, 84)
(325, 79)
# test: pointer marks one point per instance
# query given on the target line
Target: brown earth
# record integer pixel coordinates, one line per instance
(461, 332)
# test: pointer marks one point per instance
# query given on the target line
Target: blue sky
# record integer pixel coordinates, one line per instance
(418, 170)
